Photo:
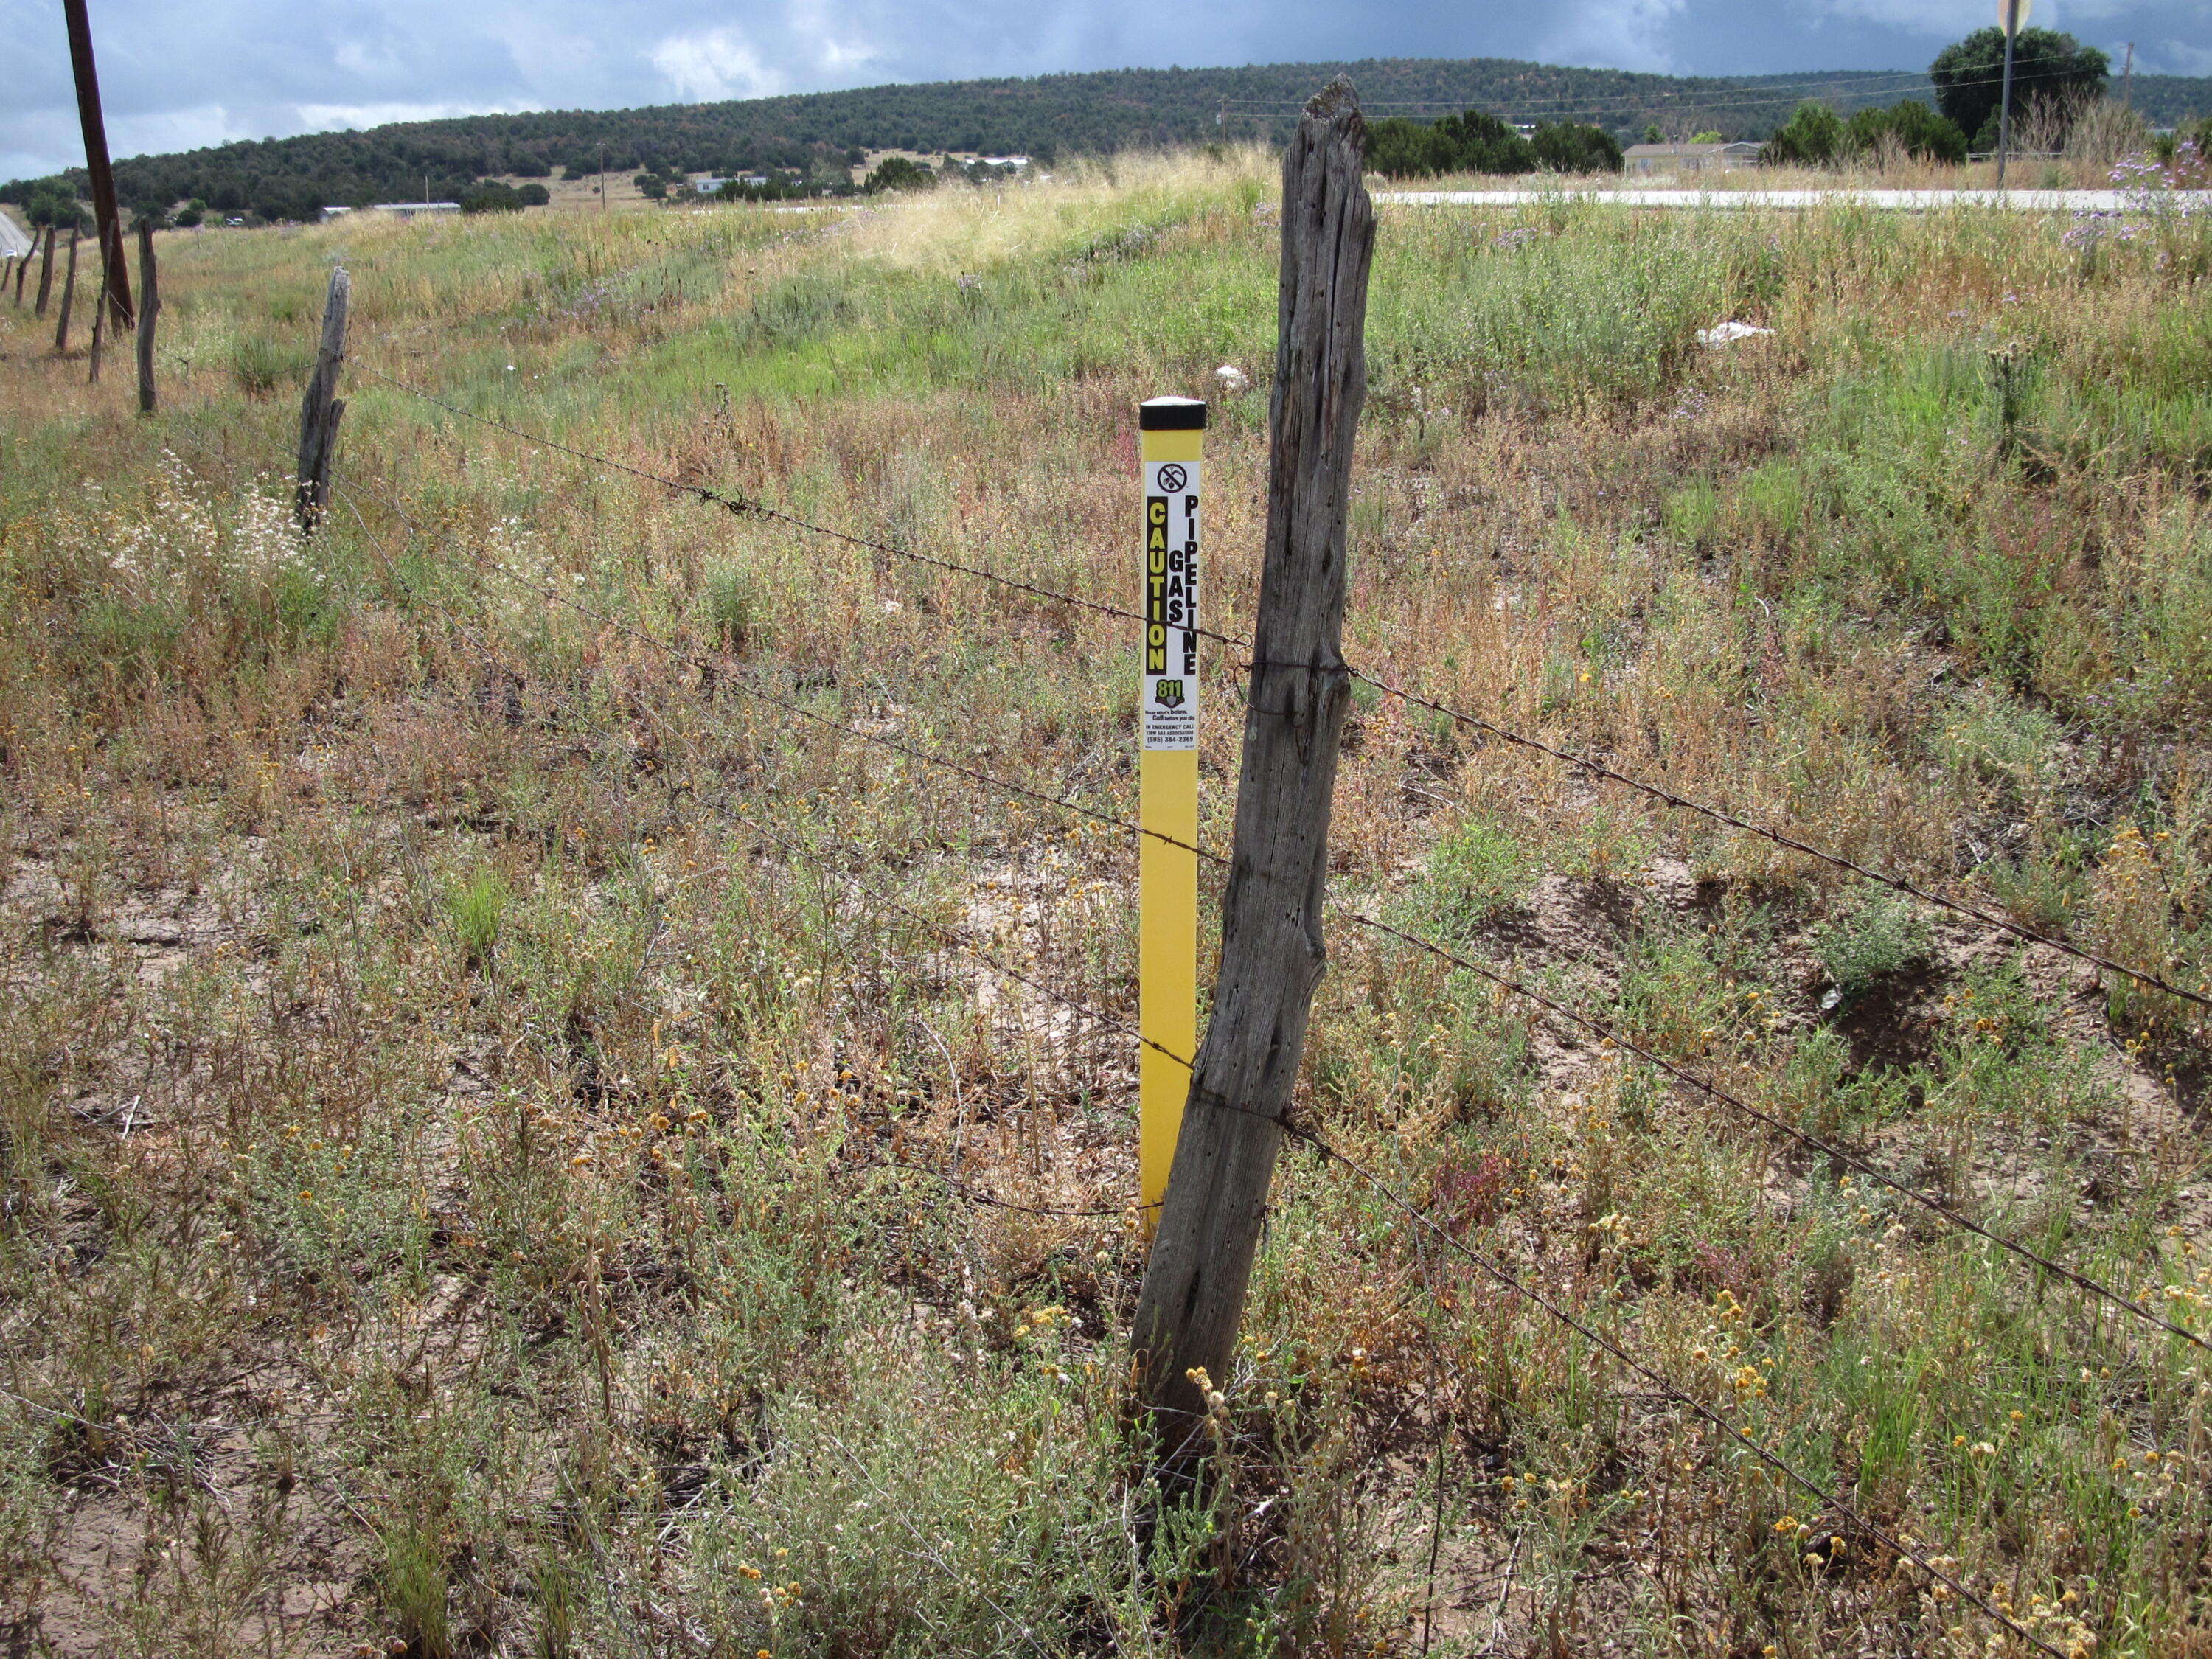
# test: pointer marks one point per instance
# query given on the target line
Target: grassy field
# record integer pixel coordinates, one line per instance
(483, 1170)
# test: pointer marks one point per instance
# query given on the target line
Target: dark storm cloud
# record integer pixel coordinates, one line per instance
(178, 75)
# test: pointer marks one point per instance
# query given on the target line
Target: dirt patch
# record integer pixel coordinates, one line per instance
(199, 1535)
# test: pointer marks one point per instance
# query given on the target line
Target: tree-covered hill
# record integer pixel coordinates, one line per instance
(1047, 116)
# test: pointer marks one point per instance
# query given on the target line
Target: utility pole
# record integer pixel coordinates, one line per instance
(1272, 950)
(115, 265)
(2004, 108)
(2127, 80)
(603, 178)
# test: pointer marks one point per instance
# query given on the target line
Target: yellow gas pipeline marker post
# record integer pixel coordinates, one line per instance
(1170, 431)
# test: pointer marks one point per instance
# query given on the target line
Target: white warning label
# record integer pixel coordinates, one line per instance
(1170, 568)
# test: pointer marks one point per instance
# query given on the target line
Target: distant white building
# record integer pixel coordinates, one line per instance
(1012, 163)
(708, 186)
(415, 209)
(330, 213)
(1690, 158)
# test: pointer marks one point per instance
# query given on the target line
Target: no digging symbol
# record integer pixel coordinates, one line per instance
(1173, 477)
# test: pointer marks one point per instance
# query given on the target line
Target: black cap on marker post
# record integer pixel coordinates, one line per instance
(1171, 415)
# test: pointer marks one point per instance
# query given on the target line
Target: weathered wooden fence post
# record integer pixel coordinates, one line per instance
(1272, 950)
(23, 270)
(45, 273)
(320, 411)
(68, 294)
(149, 306)
(98, 327)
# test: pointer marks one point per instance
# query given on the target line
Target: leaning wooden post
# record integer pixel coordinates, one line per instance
(149, 306)
(1272, 951)
(115, 273)
(46, 274)
(23, 270)
(98, 323)
(69, 293)
(320, 410)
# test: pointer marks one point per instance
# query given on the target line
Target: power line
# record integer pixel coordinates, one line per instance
(1687, 102)
(1714, 89)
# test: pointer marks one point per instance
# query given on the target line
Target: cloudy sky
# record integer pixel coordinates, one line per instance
(175, 74)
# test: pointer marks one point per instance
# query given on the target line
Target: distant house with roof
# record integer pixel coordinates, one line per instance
(415, 210)
(1690, 158)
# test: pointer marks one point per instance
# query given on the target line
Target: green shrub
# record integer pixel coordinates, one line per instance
(260, 363)
(476, 909)
(1575, 147)
(1472, 143)
(1573, 323)
(1920, 129)
(1884, 936)
(1815, 136)
(1477, 872)
(900, 173)
(1773, 498)
(735, 613)
(493, 196)
(1690, 513)
(412, 1579)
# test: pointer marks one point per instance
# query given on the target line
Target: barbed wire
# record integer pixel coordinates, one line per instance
(1667, 1386)
(745, 506)
(1848, 1514)
(1507, 982)
(1669, 797)
(1806, 1138)
(1588, 1023)
(1298, 1132)
(1781, 838)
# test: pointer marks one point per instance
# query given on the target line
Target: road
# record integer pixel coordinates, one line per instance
(1892, 201)
(14, 239)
